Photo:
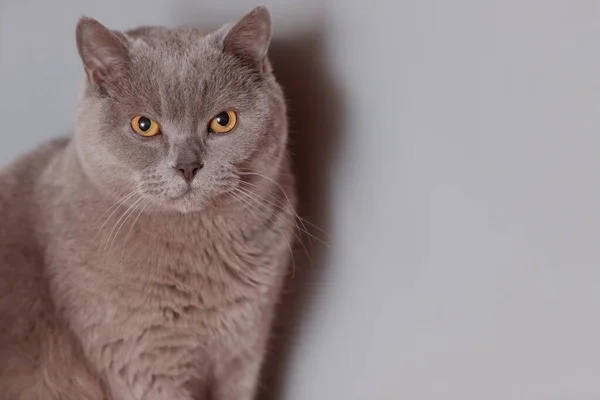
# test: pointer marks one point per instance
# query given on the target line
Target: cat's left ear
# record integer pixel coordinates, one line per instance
(250, 37)
(104, 53)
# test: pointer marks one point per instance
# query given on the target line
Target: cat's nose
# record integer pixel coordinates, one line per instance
(189, 170)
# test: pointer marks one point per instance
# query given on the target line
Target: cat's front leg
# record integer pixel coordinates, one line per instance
(237, 379)
(154, 393)
(141, 386)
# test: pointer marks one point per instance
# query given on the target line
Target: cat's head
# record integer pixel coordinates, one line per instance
(177, 115)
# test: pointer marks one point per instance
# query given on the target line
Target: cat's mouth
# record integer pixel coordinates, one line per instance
(175, 194)
(183, 193)
(162, 192)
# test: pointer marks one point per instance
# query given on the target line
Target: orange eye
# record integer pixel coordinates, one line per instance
(144, 126)
(223, 122)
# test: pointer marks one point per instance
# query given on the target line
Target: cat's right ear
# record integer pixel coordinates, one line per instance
(249, 38)
(103, 52)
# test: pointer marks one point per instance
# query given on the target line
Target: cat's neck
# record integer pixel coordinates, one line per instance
(190, 227)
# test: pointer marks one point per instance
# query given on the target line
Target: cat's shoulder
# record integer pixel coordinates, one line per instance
(19, 177)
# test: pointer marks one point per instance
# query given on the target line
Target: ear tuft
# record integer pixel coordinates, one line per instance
(250, 37)
(103, 52)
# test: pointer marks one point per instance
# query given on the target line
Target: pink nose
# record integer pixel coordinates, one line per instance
(189, 170)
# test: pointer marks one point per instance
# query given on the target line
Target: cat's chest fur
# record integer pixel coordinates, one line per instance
(153, 304)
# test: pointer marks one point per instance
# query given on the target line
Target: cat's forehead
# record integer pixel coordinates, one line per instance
(177, 54)
(158, 36)
(172, 56)
(182, 71)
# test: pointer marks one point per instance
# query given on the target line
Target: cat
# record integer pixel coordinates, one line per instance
(143, 257)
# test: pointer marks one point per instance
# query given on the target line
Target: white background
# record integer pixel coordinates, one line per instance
(461, 197)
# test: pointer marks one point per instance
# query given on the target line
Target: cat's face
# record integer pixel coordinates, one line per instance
(174, 115)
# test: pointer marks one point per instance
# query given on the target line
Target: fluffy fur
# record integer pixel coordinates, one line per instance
(119, 279)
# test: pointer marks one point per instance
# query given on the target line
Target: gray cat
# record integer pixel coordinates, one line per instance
(142, 259)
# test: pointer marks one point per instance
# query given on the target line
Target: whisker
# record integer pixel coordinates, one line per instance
(240, 191)
(248, 206)
(117, 204)
(292, 213)
(272, 194)
(288, 199)
(295, 214)
(118, 227)
(142, 207)
(273, 203)
(130, 211)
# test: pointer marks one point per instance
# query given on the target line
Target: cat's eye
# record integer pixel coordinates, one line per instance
(223, 122)
(144, 126)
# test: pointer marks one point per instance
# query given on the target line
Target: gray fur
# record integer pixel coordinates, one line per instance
(120, 281)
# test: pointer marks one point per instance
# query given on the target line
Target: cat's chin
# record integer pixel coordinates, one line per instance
(196, 202)
(188, 202)
(183, 204)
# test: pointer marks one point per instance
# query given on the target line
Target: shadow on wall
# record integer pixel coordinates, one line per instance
(315, 112)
